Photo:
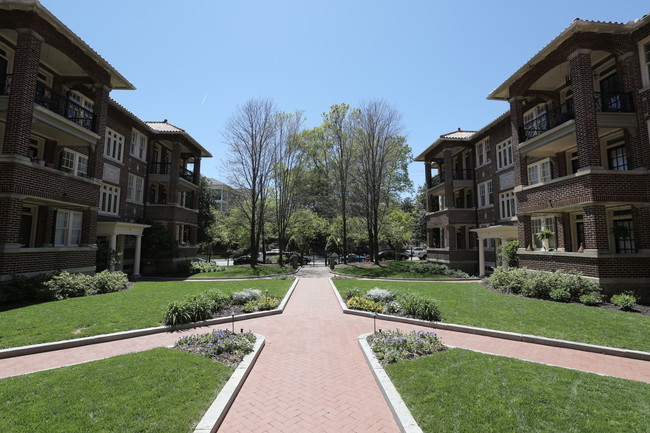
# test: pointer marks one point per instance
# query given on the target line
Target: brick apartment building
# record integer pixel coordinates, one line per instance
(76, 168)
(571, 155)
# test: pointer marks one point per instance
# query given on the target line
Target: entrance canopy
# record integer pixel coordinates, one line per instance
(501, 233)
(113, 230)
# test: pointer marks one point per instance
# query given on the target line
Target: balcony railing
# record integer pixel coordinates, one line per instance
(186, 174)
(63, 106)
(5, 84)
(463, 174)
(614, 102)
(435, 180)
(547, 121)
(159, 167)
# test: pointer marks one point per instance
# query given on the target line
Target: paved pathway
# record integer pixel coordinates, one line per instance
(311, 375)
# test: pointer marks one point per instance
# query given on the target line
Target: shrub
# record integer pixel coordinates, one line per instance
(183, 267)
(109, 282)
(508, 251)
(507, 280)
(243, 296)
(392, 307)
(418, 307)
(624, 301)
(380, 295)
(263, 303)
(350, 292)
(560, 295)
(435, 269)
(25, 290)
(220, 301)
(590, 299)
(198, 267)
(365, 304)
(540, 284)
(67, 285)
(192, 309)
(394, 346)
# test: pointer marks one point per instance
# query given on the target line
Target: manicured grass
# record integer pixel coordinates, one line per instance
(143, 306)
(160, 390)
(245, 271)
(395, 270)
(463, 391)
(473, 305)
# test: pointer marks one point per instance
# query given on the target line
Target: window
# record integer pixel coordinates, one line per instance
(135, 189)
(109, 200)
(508, 204)
(183, 234)
(541, 171)
(74, 162)
(138, 145)
(644, 56)
(68, 228)
(28, 220)
(483, 151)
(114, 145)
(623, 231)
(485, 194)
(574, 162)
(616, 154)
(547, 223)
(504, 154)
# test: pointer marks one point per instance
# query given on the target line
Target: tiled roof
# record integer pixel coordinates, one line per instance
(458, 135)
(164, 126)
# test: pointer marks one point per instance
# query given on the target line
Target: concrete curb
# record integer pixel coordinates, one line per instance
(78, 342)
(410, 280)
(526, 338)
(401, 412)
(218, 410)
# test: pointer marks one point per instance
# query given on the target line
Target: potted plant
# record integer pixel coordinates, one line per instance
(543, 236)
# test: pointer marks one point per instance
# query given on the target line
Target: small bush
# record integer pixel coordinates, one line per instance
(624, 301)
(507, 280)
(419, 307)
(67, 285)
(199, 267)
(109, 282)
(591, 299)
(243, 296)
(263, 303)
(392, 307)
(540, 284)
(380, 295)
(25, 290)
(192, 309)
(183, 268)
(350, 292)
(435, 269)
(220, 301)
(560, 295)
(394, 346)
(364, 304)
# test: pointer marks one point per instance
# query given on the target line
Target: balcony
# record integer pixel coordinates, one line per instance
(186, 174)
(457, 174)
(63, 106)
(547, 121)
(159, 167)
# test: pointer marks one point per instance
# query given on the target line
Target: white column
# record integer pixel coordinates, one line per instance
(113, 248)
(481, 257)
(138, 250)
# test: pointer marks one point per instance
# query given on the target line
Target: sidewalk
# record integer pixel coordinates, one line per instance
(312, 376)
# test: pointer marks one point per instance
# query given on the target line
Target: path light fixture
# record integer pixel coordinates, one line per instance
(232, 314)
(374, 322)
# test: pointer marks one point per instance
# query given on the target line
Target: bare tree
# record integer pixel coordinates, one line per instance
(287, 173)
(250, 136)
(383, 156)
(340, 150)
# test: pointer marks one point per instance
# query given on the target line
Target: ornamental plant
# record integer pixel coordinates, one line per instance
(221, 345)
(243, 296)
(364, 304)
(395, 346)
(263, 303)
(591, 299)
(380, 295)
(560, 295)
(624, 301)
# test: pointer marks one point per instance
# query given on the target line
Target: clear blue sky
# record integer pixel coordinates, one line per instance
(436, 61)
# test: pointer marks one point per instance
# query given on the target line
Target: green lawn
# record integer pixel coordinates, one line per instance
(245, 271)
(464, 391)
(143, 306)
(395, 270)
(160, 390)
(473, 305)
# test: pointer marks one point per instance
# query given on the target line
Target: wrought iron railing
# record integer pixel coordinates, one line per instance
(186, 174)
(614, 102)
(63, 106)
(463, 174)
(547, 121)
(159, 167)
(5, 84)
(435, 180)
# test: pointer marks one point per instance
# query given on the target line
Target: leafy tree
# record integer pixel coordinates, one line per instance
(206, 216)
(394, 230)
(306, 227)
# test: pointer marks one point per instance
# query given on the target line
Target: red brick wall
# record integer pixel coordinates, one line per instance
(46, 260)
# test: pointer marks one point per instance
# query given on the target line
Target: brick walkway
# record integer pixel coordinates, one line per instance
(311, 375)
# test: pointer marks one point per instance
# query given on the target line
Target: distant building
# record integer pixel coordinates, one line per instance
(224, 194)
(570, 156)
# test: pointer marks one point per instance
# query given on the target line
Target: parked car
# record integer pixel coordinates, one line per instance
(246, 260)
(352, 258)
(419, 252)
(393, 255)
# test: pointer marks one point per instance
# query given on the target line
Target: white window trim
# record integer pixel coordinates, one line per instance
(485, 194)
(133, 194)
(138, 140)
(544, 225)
(508, 202)
(483, 150)
(112, 194)
(67, 241)
(76, 162)
(39, 144)
(505, 154)
(538, 165)
(110, 144)
(611, 218)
